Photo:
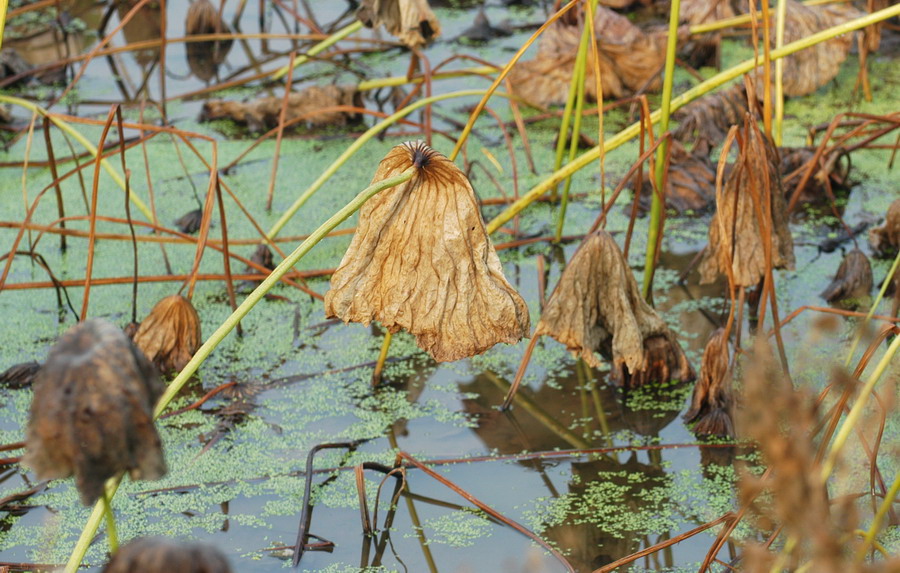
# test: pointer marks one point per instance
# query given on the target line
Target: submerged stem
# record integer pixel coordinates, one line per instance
(382, 356)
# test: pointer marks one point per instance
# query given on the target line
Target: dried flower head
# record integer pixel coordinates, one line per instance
(885, 240)
(853, 279)
(630, 59)
(749, 211)
(704, 123)
(712, 401)
(160, 555)
(92, 412)
(422, 260)
(410, 21)
(263, 113)
(597, 307)
(170, 335)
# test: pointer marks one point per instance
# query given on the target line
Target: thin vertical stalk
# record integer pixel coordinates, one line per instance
(382, 357)
(780, 15)
(656, 207)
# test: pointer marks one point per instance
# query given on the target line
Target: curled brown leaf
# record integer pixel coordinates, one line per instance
(712, 401)
(853, 280)
(170, 335)
(410, 21)
(160, 555)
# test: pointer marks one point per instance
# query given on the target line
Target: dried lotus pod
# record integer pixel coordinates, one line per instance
(597, 307)
(712, 400)
(161, 555)
(735, 233)
(264, 113)
(410, 21)
(853, 279)
(92, 411)
(630, 59)
(885, 240)
(421, 260)
(170, 335)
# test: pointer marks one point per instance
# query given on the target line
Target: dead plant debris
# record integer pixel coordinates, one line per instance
(885, 240)
(190, 222)
(712, 401)
(162, 555)
(170, 335)
(853, 280)
(421, 260)
(19, 375)
(704, 124)
(597, 307)
(410, 21)
(690, 182)
(92, 411)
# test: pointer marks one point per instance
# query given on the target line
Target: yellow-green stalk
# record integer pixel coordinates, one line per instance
(780, 16)
(318, 48)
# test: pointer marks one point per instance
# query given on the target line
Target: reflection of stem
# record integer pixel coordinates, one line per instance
(379, 365)
(413, 514)
(598, 404)
(539, 413)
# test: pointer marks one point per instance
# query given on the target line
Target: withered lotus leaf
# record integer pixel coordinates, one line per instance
(630, 59)
(751, 190)
(421, 260)
(264, 113)
(410, 21)
(808, 70)
(597, 307)
(885, 240)
(160, 555)
(92, 411)
(690, 182)
(170, 334)
(832, 170)
(712, 400)
(19, 375)
(853, 279)
(703, 124)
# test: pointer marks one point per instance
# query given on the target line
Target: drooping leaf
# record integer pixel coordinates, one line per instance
(170, 335)
(712, 400)
(410, 21)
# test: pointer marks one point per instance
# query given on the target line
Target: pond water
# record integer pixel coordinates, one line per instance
(597, 472)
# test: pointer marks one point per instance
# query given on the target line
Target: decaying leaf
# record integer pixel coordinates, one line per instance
(597, 307)
(161, 555)
(712, 401)
(263, 113)
(170, 335)
(703, 124)
(750, 210)
(706, 11)
(92, 411)
(410, 21)
(853, 279)
(482, 31)
(263, 257)
(885, 240)
(832, 169)
(190, 222)
(630, 59)
(703, 49)
(690, 184)
(808, 70)
(19, 375)
(204, 58)
(421, 260)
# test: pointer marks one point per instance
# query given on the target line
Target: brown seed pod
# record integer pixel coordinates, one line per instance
(421, 260)
(597, 307)
(630, 59)
(410, 21)
(160, 555)
(263, 113)
(736, 238)
(885, 240)
(853, 279)
(92, 412)
(170, 335)
(712, 401)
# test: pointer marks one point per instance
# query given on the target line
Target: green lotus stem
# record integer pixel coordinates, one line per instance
(872, 309)
(34, 108)
(393, 81)
(356, 145)
(4, 5)
(780, 16)
(576, 95)
(690, 95)
(869, 539)
(93, 523)
(318, 48)
(656, 205)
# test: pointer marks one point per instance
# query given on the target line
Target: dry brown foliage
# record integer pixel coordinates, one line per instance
(262, 114)
(832, 170)
(853, 279)
(690, 182)
(410, 21)
(597, 307)
(190, 222)
(92, 411)
(263, 257)
(704, 124)
(160, 555)
(705, 11)
(421, 260)
(750, 211)
(630, 59)
(170, 335)
(812, 68)
(885, 240)
(712, 402)
(204, 58)
(19, 375)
